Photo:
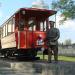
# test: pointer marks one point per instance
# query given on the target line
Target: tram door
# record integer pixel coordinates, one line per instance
(20, 32)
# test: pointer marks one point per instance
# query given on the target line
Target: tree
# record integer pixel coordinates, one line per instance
(66, 7)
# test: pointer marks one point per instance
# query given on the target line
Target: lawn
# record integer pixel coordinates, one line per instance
(64, 58)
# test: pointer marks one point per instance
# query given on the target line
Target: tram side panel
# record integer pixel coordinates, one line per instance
(32, 38)
(28, 39)
(8, 42)
(20, 40)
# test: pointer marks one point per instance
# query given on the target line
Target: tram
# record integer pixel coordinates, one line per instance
(22, 34)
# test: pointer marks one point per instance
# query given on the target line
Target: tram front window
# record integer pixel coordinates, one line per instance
(37, 26)
(32, 25)
(41, 26)
(21, 25)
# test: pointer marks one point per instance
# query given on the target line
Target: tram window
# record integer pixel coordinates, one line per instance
(21, 24)
(10, 27)
(43, 26)
(36, 25)
(0, 32)
(13, 24)
(31, 25)
(32, 28)
(3, 31)
(6, 30)
(13, 27)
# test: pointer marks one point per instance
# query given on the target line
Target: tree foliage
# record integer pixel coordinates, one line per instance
(66, 7)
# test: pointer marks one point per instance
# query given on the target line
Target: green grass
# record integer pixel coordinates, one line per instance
(66, 58)
(63, 58)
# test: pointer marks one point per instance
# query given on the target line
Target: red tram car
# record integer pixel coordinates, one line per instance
(21, 32)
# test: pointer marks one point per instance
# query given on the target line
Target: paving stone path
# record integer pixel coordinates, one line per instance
(36, 68)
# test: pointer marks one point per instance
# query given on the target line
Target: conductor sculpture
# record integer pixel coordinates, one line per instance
(52, 36)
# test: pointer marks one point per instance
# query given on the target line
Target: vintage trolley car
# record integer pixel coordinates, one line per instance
(21, 33)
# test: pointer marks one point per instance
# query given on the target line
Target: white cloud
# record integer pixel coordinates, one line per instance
(57, 21)
(69, 24)
(66, 30)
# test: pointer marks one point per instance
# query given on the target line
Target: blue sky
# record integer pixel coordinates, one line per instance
(8, 7)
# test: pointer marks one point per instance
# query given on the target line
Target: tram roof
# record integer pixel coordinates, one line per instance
(36, 11)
